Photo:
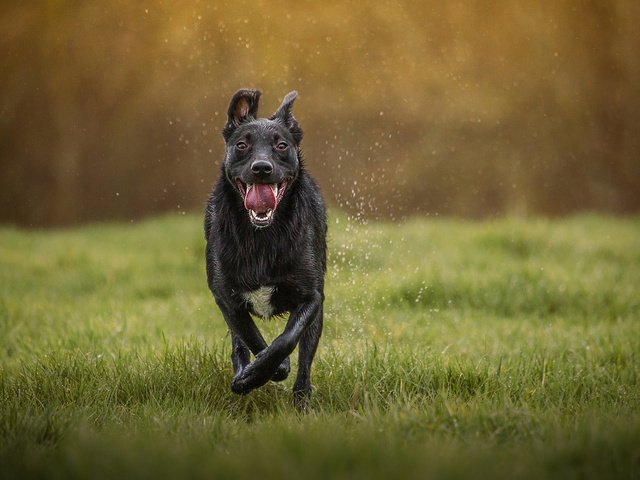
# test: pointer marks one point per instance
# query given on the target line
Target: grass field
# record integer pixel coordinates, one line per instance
(451, 349)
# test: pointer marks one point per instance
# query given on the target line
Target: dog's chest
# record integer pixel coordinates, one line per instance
(260, 300)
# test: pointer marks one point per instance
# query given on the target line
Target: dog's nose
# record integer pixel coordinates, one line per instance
(261, 167)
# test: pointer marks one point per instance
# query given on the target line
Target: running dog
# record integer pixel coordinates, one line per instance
(265, 226)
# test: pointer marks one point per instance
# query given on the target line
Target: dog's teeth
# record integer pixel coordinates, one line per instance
(274, 187)
(261, 216)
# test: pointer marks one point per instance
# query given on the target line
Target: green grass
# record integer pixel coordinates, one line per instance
(502, 349)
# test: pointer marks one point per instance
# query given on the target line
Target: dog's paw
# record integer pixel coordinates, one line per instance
(283, 371)
(249, 379)
(238, 385)
(265, 367)
(301, 397)
(244, 381)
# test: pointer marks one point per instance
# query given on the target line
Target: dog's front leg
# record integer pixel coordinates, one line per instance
(267, 361)
(240, 356)
(245, 336)
(306, 351)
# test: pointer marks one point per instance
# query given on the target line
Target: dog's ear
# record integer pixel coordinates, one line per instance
(243, 107)
(284, 116)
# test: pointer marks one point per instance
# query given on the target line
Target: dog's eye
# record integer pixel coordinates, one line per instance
(241, 145)
(282, 146)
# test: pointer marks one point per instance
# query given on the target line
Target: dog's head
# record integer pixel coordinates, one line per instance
(262, 156)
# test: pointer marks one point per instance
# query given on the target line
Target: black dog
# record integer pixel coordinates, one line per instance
(265, 226)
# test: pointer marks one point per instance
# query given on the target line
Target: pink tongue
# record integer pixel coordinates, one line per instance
(260, 198)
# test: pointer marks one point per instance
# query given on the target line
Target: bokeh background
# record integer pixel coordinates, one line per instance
(112, 109)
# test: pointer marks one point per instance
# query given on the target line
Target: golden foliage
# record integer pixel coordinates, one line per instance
(113, 109)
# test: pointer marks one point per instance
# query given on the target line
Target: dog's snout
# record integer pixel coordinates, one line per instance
(261, 167)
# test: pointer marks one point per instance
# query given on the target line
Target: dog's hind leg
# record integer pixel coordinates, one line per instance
(306, 351)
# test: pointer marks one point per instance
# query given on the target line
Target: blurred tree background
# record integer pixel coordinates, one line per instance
(113, 109)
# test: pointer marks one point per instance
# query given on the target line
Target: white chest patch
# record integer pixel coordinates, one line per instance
(260, 300)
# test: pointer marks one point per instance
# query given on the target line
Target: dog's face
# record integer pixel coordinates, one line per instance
(262, 155)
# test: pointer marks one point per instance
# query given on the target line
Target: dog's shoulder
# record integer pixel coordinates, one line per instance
(210, 209)
(209, 218)
(217, 207)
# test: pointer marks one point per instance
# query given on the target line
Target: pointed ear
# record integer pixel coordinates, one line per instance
(243, 107)
(285, 117)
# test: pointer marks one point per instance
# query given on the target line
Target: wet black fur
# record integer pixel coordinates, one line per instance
(289, 254)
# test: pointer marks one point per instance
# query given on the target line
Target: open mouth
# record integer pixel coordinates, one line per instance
(261, 200)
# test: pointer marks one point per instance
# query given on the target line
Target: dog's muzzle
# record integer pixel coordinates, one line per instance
(261, 200)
